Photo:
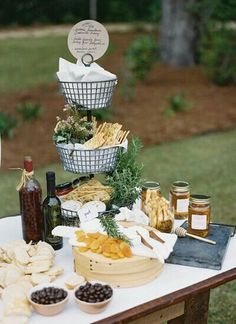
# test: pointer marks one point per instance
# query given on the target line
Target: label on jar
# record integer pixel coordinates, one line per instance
(199, 222)
(182, 205)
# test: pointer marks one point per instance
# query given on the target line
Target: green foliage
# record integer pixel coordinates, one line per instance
(29, 12)
(110, 226)
(217, 10)
(138, 62)
(141, 56)
(218, 55)
(177, 103)
(7, 124)
(126, 177)
(73, 129)
(29, 110)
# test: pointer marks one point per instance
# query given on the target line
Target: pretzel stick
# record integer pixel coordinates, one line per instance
(125, 136)
(120, 135)
(98, 129)
(104, 125)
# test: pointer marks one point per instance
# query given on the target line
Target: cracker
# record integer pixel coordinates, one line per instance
(95, 142)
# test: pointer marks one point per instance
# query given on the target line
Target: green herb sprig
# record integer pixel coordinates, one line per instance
(126, 177)
(110, 226)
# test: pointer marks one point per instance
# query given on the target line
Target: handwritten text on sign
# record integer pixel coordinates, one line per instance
(88, 37)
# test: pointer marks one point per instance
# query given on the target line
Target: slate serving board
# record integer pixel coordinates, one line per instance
(194, 253)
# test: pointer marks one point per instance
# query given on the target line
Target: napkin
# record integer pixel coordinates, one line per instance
(70, 72)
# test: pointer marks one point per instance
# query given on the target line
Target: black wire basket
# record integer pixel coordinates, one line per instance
(88, 161)
(88, 95)
(71, 218)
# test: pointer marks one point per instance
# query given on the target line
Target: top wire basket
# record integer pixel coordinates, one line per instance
(88, 95)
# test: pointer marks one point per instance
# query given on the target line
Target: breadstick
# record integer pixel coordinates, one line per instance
(125, 136)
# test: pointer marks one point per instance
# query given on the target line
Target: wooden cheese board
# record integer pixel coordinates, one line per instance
(126, 272)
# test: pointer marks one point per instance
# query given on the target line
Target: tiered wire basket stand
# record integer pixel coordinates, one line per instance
(87, 96)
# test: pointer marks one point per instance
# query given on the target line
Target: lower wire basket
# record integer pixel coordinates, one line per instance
(88, 161)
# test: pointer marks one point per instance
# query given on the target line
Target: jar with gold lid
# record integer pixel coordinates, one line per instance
(179, 199)
(156, 207)
(149, 188)
(199, 215)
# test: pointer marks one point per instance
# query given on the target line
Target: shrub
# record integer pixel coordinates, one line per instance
(138, 61)
(177, 103)
(218, 56)
(29, 110)
(140, 56)
(7, 124)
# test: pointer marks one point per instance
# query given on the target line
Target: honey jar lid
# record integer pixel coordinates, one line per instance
(180, 186)
(152, 185)
(200, 199)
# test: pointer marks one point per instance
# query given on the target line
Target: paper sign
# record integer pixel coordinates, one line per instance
(88, 37)
(87, 213)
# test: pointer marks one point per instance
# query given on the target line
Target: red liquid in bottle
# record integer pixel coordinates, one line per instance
(30, 206)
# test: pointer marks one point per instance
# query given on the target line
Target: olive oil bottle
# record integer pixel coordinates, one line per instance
(51, 213)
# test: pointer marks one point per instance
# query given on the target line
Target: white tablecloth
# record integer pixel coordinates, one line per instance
(172, 278)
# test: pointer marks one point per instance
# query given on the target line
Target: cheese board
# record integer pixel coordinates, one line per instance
(123, 273)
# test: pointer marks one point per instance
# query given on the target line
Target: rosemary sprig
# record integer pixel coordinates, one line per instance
(125, 179)
(110, 226)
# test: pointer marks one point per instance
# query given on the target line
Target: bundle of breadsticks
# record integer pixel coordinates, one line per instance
(92, 190)
(158, 210)
(107, 134)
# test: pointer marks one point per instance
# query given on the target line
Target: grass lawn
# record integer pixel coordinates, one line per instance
(207, 162)
(28, 62)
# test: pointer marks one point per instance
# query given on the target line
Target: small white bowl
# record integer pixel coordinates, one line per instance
(51, 309)
(93, 308)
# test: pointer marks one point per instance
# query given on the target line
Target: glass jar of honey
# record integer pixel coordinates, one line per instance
(199, 215)
(149, 187)
(179, 199)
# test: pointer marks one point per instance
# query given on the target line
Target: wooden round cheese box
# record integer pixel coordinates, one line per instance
(127, 272)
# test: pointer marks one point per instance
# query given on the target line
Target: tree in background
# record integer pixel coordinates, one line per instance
(184, 22)
(178, 33)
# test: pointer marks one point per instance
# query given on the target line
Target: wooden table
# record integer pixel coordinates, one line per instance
(179, 295)
(188, 305)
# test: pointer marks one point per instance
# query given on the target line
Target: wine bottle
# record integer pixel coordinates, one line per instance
(30, 194)
(51, 213)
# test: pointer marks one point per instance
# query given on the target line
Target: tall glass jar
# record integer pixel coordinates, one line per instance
(30, 195)
(199, 215)
(179, 199)
(148, 188)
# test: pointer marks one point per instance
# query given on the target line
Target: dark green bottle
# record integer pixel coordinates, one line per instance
(51, 213)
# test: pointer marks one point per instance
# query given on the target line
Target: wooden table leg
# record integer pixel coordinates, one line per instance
(196, 310)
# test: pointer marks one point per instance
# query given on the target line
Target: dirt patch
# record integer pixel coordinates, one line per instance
(213, 108)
